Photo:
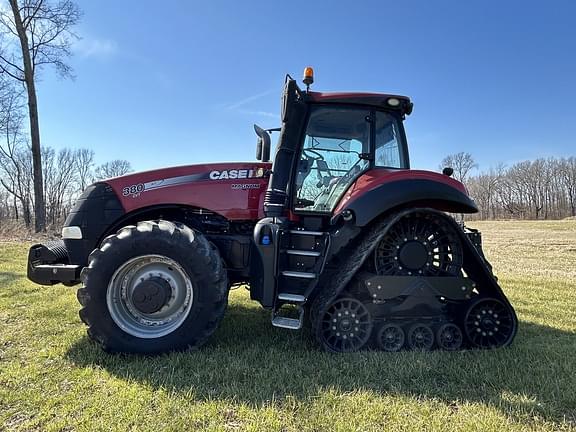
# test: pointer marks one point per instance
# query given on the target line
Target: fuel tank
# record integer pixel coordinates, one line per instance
(234, 190)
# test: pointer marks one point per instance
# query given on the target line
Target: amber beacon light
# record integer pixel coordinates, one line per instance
(308, 76)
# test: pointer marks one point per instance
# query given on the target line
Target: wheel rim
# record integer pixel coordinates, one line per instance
(391, 338)
(346, 325)
(419, 245)
(489, 323)
(421, 337)
(449, 337)
(134, 283)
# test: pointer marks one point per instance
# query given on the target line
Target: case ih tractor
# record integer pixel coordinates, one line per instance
(338, 232)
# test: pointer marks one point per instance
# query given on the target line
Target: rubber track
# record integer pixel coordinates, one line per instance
(335, 284)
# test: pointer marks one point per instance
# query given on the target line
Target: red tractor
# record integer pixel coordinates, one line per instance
(339, 232)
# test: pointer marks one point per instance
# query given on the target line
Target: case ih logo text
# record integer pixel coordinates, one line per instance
(236, 174)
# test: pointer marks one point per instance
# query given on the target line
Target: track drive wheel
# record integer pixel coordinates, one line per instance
(391, 338)
(420, 337)
(419, 244)
(490, 323)
(345, 326)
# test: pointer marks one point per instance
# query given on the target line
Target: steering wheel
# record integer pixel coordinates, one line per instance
(316, 155)
(354, 170)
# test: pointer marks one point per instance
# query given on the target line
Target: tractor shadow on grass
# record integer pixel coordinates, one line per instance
(249, 361)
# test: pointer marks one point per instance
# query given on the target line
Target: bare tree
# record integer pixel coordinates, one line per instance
(14, 155)
(113, 168)
(567, 173)
(16, 169)
(59, 181)
(84, 164)
(43, 30)
(462, 163)
(483, 188)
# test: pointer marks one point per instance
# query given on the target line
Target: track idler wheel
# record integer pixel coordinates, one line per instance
(489, 323)
(346, 326)
(420, 337)
(449, 337)
(391, 338)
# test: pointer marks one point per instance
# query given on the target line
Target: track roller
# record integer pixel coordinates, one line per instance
(391, 337)
(449, 337)
(420, 337)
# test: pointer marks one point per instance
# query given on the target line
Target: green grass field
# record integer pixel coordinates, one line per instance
(252, 376)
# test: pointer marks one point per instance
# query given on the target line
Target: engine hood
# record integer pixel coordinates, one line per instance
(235, 190)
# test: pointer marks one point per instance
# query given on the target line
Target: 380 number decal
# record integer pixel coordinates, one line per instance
(133, 190)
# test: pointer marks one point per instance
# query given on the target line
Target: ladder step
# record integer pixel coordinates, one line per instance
(302, 252)
(294, 298)
(296, 274)
(303, 232)
(287, 323)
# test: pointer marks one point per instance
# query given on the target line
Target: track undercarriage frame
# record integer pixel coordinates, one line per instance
(429, 293)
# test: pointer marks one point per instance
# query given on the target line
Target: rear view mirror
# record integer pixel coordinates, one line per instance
(448, 171)
(262, 145)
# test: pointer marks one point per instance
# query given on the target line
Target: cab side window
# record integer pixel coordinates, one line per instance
(388, 150)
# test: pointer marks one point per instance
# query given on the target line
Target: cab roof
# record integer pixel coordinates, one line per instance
(379, 100)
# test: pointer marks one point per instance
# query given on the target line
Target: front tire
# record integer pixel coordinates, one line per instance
(152, 288)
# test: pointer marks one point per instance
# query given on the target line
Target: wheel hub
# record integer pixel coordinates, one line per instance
(345, 324)
(390, 336)
(151, 295)
(486, 322)
(413, 255)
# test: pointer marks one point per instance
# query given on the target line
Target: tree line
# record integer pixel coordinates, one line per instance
(544, 188)
(66, 173)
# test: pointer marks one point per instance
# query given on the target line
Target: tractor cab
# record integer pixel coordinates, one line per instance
(327, 142)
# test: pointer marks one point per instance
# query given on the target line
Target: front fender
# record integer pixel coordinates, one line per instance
(369, 204)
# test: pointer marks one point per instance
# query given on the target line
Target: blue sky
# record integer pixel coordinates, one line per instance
(184, 83)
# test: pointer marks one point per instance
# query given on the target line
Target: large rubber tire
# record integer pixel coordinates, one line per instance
(195, 256)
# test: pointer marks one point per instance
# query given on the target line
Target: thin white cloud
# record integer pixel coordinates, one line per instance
(240, 103)
(260, 113)
(95, 47)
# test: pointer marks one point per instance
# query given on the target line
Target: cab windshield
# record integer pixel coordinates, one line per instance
(337, 148)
